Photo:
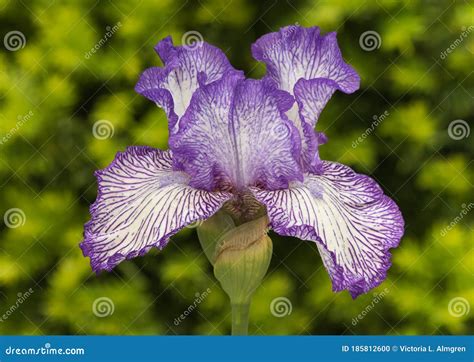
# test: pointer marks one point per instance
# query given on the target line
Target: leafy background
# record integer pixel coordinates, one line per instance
(52, 94)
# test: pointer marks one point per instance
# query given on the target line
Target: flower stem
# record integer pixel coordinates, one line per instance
(240, 318)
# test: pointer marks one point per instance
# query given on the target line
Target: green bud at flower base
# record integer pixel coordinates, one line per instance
(240, 256)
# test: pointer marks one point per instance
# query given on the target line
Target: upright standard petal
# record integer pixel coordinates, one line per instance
(306, 64)
(141, 203)
(310, 67)
(353, 223)
(235, 134)
(172, 86)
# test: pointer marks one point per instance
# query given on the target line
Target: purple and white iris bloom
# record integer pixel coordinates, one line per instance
(246, 144)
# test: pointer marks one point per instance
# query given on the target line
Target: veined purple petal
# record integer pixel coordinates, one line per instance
(295, 53)
(353, 223)
(310, 142)
(172, 86)
(312, 96)
(141, 203)
(310, 66)
(235, 133)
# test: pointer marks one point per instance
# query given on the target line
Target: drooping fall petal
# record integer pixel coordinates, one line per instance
(141, 203)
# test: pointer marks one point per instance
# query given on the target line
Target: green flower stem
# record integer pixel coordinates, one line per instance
(240, 318)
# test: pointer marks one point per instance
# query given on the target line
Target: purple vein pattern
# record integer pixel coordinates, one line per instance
(234, 139)
(141, 203)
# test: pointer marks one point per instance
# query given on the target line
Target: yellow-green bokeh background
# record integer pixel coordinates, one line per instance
(47, 165)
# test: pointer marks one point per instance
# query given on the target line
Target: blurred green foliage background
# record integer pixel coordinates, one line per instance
(52, 93)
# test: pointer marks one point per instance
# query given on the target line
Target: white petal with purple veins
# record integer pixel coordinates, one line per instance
(140, 204)
(310, 66)
(353, 223)
(295, 53)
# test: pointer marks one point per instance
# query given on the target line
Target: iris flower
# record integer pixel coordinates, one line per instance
(250, 147)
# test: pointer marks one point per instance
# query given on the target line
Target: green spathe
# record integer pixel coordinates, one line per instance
(240, 256)
(211, 231)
